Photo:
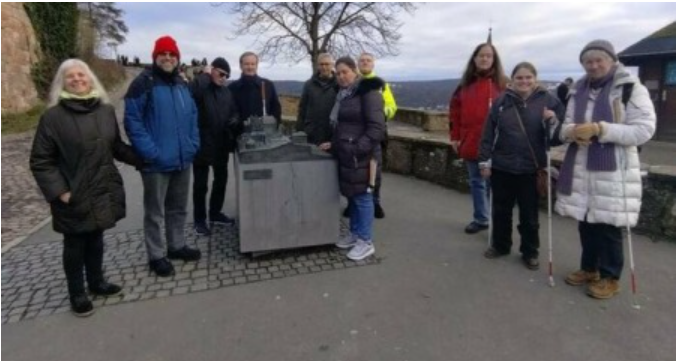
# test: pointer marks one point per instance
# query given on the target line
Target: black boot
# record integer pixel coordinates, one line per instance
(105, 289)
(94, 267)
(81, 305)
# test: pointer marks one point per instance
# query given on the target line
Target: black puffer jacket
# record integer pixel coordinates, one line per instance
(316, 103)
(217, 120)
(73, 151)
(503, 140)
(356, 139)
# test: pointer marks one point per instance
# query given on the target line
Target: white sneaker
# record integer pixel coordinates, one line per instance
(347, 241)
(361, 250)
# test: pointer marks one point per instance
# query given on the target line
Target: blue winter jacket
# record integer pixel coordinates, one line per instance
(160, 118)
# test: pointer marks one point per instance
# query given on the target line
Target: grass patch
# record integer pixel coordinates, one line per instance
(13, 123)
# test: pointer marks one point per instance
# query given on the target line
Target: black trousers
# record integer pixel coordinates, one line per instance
(507, 190)
(200, 189)
(601, 249)
(83, 252)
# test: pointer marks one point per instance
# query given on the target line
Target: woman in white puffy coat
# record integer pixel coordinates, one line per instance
(600, 180)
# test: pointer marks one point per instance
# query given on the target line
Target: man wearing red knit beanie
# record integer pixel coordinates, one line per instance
(160, 118)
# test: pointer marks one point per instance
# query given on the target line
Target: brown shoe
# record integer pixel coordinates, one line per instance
(603, 289)
(581, 277)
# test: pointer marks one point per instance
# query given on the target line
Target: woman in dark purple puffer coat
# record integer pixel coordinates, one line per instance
(359, 127)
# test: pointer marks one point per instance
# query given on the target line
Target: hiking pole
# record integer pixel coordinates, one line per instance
(635, 303)
(549, 203)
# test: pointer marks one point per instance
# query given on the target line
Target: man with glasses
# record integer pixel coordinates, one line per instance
(317, 101)
(219, 128)
(248, 91)
(160, 118)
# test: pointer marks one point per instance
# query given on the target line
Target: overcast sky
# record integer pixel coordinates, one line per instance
(437, 38)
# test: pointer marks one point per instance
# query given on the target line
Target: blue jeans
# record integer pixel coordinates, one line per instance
(361, 216)
(479, 191)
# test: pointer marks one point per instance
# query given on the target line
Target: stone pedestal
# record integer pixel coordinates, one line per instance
(287, 197)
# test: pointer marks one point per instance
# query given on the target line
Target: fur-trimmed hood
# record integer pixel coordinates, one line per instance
(368, 84)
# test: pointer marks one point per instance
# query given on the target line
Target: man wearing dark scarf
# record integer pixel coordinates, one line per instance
(249, 88)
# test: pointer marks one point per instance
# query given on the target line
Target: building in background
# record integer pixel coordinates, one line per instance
(655, 56)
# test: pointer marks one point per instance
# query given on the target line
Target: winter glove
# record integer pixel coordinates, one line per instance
(584, 132)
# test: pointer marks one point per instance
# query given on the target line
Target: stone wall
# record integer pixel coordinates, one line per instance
(427, 120)
(19, 52)
(289, 105)
(414, 151)
(431, 158)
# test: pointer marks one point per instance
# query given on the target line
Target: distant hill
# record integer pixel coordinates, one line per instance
(432, 94)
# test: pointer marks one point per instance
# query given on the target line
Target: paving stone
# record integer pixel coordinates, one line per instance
(33, 283)
(198, 287)
(180, 291)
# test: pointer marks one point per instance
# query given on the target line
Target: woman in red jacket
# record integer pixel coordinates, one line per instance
(483, 80)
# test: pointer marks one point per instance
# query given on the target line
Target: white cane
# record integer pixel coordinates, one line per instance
(549, 204)
(490, 215)
(635, 303)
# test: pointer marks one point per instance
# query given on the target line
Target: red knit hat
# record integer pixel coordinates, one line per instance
(166, 44)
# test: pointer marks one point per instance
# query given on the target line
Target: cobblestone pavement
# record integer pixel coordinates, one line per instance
(34, 285)
(23, 206)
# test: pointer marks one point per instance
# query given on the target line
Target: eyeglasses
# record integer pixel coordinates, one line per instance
(222, 74)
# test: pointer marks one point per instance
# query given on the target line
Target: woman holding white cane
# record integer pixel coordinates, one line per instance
(609, 114)
(514, 141)
(358, 123)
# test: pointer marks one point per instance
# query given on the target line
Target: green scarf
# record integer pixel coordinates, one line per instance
(66, 95)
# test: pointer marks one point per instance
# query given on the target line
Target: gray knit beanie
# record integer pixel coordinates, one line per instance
(603, 45)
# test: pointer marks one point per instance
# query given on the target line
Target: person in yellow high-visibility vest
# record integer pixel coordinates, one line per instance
(366, 65)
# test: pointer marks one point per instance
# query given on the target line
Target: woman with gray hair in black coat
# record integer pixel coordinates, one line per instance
(359, 127)
(72, 161)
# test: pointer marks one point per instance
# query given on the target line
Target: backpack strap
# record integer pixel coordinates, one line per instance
(148, 91)
(627, 88)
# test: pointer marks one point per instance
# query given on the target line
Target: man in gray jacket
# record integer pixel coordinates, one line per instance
(316, 102)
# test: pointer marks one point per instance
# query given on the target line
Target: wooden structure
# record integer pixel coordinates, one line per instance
(655, 56)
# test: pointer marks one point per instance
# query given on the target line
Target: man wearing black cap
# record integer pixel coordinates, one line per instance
(219, 127)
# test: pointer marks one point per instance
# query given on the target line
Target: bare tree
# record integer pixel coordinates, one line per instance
(106, 18)
(288, 31)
